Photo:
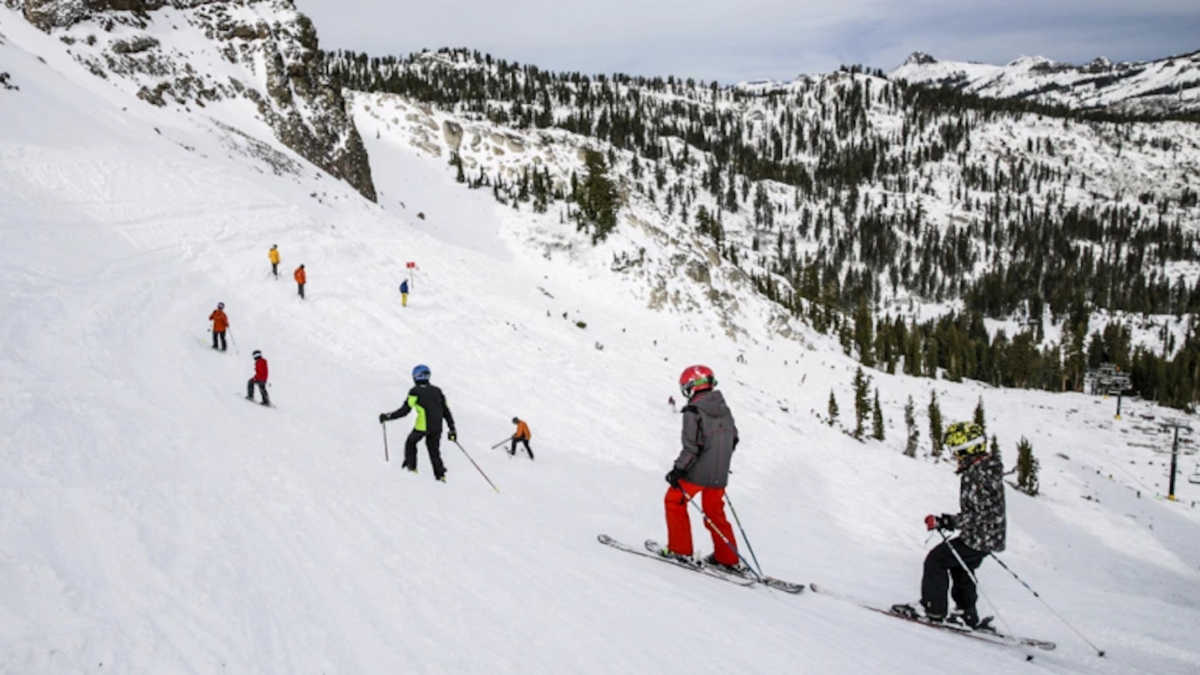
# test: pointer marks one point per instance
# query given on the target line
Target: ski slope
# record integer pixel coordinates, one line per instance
(151, 521)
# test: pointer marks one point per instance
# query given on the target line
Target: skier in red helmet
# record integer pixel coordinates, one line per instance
(709, 438)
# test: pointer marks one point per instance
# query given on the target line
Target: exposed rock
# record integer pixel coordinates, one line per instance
(453, 133)
(138, 44)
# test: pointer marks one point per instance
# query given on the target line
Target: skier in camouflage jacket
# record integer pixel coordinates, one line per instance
(980, 522)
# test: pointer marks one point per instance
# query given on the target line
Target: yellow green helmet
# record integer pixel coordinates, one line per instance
(965, 439)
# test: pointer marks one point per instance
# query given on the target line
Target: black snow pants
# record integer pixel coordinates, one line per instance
(432, 443)
(513, 449)
(262, 388)
(300, 289)
(219, 334)
(941, 562)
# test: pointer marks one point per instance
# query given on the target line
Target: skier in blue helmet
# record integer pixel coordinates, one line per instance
(430, 405)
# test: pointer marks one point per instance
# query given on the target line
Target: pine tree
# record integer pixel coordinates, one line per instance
(862, 402)
(877, 418)
(935, 424)
(597, 196)
(1027, 468)
(833, 408)
(979, 416)
(910, 421)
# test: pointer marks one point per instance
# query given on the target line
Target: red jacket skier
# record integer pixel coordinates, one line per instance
(709, 438)
(260, 379)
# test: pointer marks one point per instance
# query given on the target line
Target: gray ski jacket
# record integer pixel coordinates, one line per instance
(981, 499)
(709, 437)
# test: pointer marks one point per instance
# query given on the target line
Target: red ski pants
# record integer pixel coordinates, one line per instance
(679, 526)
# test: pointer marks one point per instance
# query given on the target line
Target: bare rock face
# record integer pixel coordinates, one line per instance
(304, 108)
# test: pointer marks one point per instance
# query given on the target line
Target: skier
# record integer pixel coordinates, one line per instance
(260, 378)
(273, 256)
(671, 402)
(301, 278)
(404, 293)
(523, 435)
(430, 404)
(981, 523)
(220, 323)
(709, 438)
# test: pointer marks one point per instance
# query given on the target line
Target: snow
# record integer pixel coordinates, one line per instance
(153, 522)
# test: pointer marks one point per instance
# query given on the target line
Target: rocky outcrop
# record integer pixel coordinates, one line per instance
(279, 46)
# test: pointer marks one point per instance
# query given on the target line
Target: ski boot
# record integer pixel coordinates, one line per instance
(738, 569)
(678, 557)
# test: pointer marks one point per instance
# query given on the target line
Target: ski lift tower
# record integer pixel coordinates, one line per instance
(1175, 425)
(1109, 380)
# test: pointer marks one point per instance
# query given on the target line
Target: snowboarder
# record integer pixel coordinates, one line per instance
(671, 402)
(709, 438)
(273, 256)
(404, 293)
(220, 323)
(301, 278)
(431, 407)
(980, 522)
(260, 378)
(522, 435)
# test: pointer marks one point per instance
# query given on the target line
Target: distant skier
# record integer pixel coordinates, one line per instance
(431, 407)
(260, 379)
(404, 293)
(981, 523)
(671, 402)
(301, 279)
(521, 435)
(709, 438)
(220, 323)
(273, 256)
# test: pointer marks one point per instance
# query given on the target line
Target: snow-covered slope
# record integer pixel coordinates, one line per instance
(151, 521)
(1163, 86)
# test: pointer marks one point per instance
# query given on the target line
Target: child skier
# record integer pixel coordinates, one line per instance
(260, 379)
(522, 435)
(220, 323)
(709, 438)
(301, 279)
(431, 407)
(404, 293)
(273, 256)
(981, 523)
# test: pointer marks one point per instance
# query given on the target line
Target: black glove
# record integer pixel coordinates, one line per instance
(947, 522)
(383, 417)
(453, 435)
(673, 477)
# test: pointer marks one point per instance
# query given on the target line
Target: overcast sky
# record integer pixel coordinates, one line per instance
(733, 40)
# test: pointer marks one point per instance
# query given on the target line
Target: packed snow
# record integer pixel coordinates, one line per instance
(152, 521)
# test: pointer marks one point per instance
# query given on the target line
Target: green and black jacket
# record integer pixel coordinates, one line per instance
(430, 404)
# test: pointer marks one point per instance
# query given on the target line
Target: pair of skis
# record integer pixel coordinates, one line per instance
(651, 549)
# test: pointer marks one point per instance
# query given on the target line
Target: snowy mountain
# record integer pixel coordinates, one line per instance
(1169, 86)
(867, 206)
(204, 54)
(151, 521)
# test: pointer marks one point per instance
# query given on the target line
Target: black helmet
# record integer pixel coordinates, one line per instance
(257, 354)
(515, 420)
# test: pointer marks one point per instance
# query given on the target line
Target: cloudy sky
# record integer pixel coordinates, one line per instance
(733, 40)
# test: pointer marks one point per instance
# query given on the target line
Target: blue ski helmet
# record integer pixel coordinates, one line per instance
(421, 373)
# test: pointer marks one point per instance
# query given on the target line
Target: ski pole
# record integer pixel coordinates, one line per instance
(974, 579)
(234, 341)
(708, 521)
(1099, 651)
(500, 443)
(743, 531)
(385, 448)
(481, 473)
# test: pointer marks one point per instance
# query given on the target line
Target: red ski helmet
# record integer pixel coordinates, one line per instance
(696, 378)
